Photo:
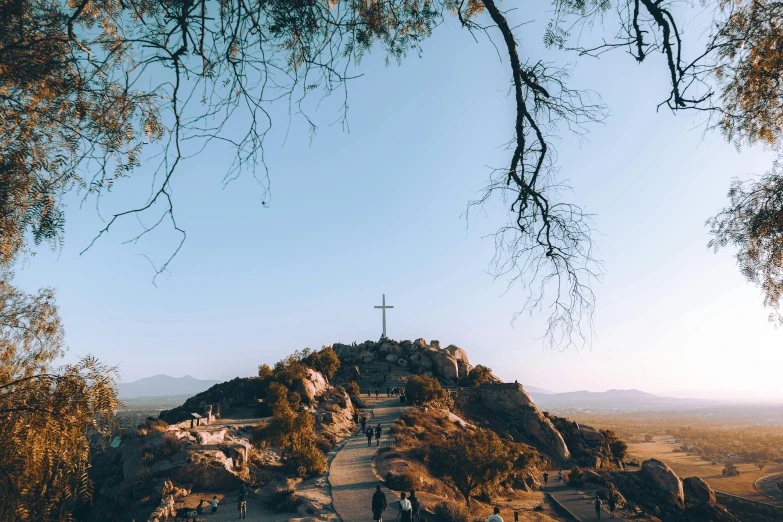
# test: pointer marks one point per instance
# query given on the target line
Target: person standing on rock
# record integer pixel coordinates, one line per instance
(378, 435)
(378, 504)
(495, 516)
(598, 505)
(405, 509)
(369, 436)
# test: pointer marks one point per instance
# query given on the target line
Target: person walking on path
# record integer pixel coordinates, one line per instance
(242, 506)
(598, 505)
(214, 504)
(378, 435)
(612, 503)
(388, 391)
(404, 515)
(378, 504)
(546, 478)
(200, 507)
(369, 436)
(560, 476)
(364, 423)
(415, 506)
(495, 516)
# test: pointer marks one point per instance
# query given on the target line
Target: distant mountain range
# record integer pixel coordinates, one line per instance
(163, 385)
(633, 399)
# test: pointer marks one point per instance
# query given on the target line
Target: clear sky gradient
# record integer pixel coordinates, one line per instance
(379, 210)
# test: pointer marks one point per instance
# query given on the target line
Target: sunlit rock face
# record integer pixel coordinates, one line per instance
(513, 402)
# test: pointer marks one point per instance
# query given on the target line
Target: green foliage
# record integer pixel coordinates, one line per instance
(474, 459)
(422, 389)
(49, 415)
(575, 476)
(325, 362)
(290, 370)
(293, 432)
(479, 375)
(618, 448)
(352, 389)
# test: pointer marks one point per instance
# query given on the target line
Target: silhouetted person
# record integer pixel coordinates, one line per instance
(415, 506)
(546, 477)
(369, 436)
(378, 435)
(200, 507)
(612, 503)
(242, 506)
(378, 504)
(364, 423)
(388, 391)
(495, 516)
(405, 509)
(560, 476)
(598, 504)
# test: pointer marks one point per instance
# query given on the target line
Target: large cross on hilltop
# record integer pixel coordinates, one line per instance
(384, 307)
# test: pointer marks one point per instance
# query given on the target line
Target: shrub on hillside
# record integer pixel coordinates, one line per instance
(284, 501)
(479, 375)
(152, 425)
(648, 437)
(293, 432)
(450, 511)
(351, 388)
(421, 389)
(575, 476)
(325, 361)
(171, 444)
(730, 470)
(404, 481)
(474, 460)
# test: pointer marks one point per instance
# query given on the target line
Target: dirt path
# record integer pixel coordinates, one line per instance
(579, 503)
(351, 473)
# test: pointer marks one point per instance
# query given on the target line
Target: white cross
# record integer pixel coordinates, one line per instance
(384, 307)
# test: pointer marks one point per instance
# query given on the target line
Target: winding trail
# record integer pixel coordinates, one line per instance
(351, 472)
(766, 485)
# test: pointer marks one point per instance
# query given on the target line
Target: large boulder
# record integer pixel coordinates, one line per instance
(592, 436)
(513, 402)
(391, 358)
(699, 489)
(458, 353)
(366, 357)
(421, 360)
(311, 386)
(421, 343)
(445, 365)
(211, 437)
(463, 368)
(664, 478)
(435, 344)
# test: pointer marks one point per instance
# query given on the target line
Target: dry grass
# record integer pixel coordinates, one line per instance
(688, 466)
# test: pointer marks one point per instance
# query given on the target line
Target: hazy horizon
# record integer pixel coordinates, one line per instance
(379, 209)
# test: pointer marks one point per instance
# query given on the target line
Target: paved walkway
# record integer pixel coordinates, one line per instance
(766, 485)
(351, 473)
(578, 503)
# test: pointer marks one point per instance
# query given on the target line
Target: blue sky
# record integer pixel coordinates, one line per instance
(379, 210)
